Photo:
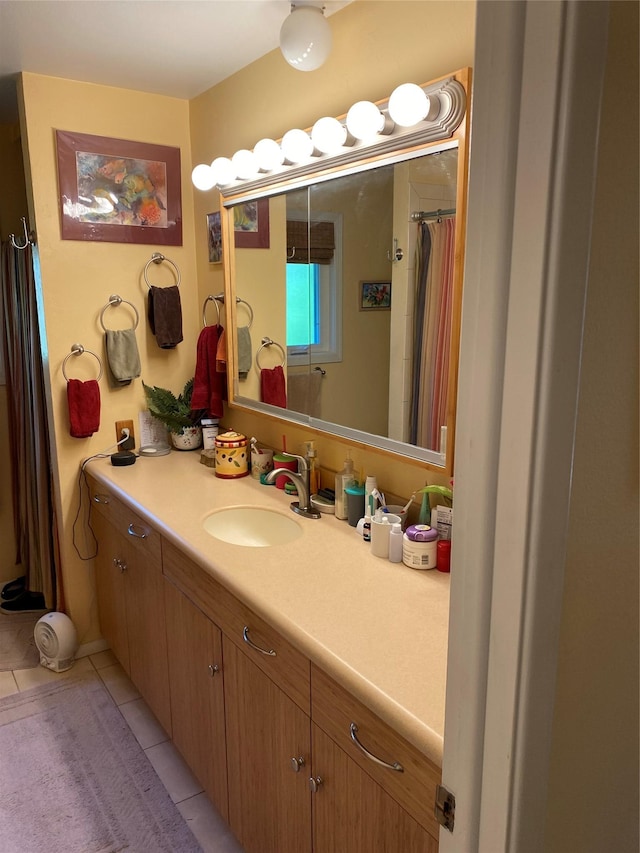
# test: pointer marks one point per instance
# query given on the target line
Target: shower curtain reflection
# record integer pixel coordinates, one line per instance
(432, 330)
(37, 552)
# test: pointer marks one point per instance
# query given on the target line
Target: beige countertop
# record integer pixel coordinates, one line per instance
(379, 628)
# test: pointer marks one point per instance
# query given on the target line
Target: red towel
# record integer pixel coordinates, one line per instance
(209, 386)
(272, 386)
(84, 407)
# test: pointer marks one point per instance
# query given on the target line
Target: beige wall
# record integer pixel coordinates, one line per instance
(593, 793)
(78, 278)
(376, 46)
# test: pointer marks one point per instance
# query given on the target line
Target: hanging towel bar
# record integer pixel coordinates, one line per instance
(419, 215)
(213, 299)
(267, 342)
(158, 258)
(78, 349)
(114, 301)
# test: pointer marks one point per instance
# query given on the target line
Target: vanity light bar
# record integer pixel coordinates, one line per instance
(412, 115)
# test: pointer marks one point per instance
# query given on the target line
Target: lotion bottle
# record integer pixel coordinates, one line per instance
(395, 543)
(344, 478)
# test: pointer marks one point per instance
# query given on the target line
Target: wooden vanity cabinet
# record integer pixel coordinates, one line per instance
(131, 598)
(196, 684)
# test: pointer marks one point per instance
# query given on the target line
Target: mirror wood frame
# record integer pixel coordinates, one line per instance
(429, 460)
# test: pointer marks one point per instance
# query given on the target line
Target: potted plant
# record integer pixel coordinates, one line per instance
(176, 414)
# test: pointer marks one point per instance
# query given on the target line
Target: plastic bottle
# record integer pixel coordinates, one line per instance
(344, 478)
(369, 500)
(395, 543)
(314, 474)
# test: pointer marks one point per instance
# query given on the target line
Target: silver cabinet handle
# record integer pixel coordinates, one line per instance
(101, 499)
(131, 531)
(245, 637)
(119, 564)
(353, 730)
(314, 783)
(213, 669)
(296, 764)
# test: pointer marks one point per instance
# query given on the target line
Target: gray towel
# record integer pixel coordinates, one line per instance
(244, 351)
(303, 391)
(123, 355)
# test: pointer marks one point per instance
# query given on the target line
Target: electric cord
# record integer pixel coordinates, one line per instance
(83, 489)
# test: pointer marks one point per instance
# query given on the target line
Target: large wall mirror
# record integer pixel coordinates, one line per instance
(348, 310)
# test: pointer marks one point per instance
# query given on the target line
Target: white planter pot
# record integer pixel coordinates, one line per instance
(189, 439)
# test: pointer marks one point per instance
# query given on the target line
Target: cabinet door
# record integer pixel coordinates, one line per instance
(267, 735)
(196, 683)
(110, 584)
(353, 813)
(149, 668)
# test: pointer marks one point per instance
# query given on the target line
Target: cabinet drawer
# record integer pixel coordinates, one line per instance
(268, 649)
(139, 533)
(334, 710)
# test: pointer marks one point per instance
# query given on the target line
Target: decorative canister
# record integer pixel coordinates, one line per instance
(231, 455)
(419, 547)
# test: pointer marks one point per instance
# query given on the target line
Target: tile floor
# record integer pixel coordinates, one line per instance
(184, 789)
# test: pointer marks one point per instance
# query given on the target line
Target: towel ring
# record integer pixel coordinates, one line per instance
(158, 258)
(213, 299)
(78, 349)
(114, 301)
(220, 298)
(267, 342)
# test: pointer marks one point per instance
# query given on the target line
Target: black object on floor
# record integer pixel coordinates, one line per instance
(13, 588)
(28, 602)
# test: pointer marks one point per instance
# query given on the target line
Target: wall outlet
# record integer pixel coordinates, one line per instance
(130, 443)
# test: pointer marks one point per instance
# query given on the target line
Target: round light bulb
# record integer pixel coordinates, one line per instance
(305, 38)
(328, 135)
(223, 171)
(297, 146)
(202, 177)
(364, 120)
(244, 164)
(408, 105)
(268, 154)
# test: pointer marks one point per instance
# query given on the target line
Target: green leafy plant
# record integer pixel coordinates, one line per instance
(174, 412)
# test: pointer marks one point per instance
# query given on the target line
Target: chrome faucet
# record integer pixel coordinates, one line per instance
(301, 482)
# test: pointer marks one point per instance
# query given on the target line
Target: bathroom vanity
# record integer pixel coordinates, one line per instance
(303, 682)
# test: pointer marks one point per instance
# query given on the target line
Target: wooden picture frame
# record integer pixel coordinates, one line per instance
(374, 296)
(214, 237)
(251, 224)
(118, 191)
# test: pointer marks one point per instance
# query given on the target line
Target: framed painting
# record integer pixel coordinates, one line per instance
(374, 296)
(214, 237)
(118, 191)
(251, 224)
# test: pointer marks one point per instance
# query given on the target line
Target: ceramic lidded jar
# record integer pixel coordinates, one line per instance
(231, 455)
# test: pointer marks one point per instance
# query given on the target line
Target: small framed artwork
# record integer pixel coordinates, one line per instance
(251, 224)
(374, 296)
(118, 191)
(214, 234)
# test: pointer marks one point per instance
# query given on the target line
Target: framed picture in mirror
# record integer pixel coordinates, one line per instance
(374, 296)
(251, 224)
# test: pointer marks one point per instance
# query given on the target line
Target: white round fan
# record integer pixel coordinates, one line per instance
(55, 637)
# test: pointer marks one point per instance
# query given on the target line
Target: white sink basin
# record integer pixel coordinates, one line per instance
(252, 526)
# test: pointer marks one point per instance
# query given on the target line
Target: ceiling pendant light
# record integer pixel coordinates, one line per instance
(305, 38)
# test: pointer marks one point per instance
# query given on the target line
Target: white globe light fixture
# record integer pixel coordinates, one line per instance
(409, 104)
(365, 121)
(223, 171)
(244, 164)
(305, 38)
(297, 146)
(202, 177)
(328, 135)
(268, 155)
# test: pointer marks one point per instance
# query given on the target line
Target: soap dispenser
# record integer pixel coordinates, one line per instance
(344, 478)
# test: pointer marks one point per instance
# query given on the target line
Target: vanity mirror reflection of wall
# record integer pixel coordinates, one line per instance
(381, 377)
